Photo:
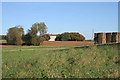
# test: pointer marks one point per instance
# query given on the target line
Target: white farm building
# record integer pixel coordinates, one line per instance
(52, 38)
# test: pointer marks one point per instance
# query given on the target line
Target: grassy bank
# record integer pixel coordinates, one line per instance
(67, 62)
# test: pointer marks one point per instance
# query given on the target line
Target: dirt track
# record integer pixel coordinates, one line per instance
(59, 43)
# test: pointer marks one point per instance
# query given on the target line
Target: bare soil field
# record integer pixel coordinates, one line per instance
(8, 46)
(56, 43)
(67, 43)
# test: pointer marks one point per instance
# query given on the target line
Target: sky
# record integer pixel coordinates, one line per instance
(60, 0)
(59, 17)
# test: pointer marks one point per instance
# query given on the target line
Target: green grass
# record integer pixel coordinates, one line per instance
(18, 48)
(67, 62)
(2, 40)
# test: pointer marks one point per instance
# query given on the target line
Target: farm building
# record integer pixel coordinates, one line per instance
(52, 37)
(104, 38)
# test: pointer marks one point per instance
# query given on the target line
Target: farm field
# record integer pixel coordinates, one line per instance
(60, 62)
(58, 43)
(67, 43)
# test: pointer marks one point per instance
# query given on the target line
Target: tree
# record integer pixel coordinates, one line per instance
(65, 36)
(77, 37)
(35, 39)
(58, 37)
(40, 28)
(27, 38)
(14, 35)
(3, 37)
(46, 36)
(70, 37)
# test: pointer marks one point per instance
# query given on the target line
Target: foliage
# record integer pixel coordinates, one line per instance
(37, 40)
(39, 27)
(14, 35)
(70, 37)
(42, 62)
(46, 36)
(32, 38)
(3, 37)
(27, 38)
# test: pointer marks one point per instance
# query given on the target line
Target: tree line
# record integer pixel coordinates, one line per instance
(70, 37)
(35, 35)
(3, 37)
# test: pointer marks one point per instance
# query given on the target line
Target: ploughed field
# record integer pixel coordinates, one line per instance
(61, 62)
(67, 43)
(60, 43)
